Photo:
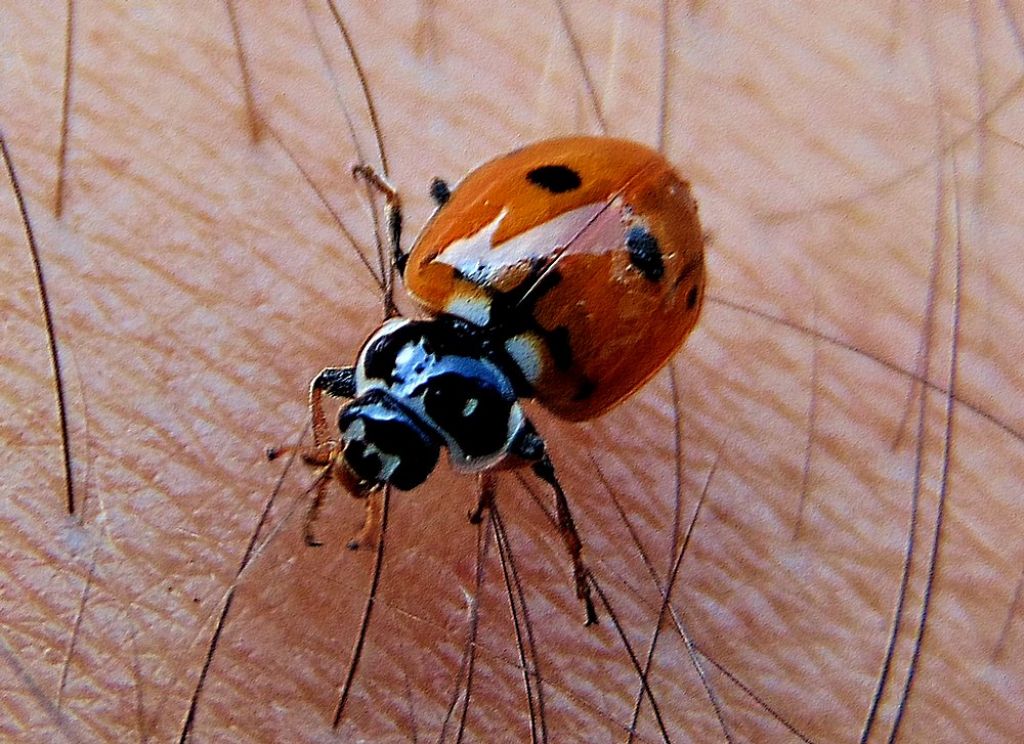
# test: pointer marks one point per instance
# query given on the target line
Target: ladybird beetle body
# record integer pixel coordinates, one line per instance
(568, 271)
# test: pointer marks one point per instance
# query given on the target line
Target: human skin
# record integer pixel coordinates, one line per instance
(857, 363)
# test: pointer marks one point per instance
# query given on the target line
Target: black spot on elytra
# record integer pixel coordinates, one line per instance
(645, 253)
(691, 298)
(585, 390)
(514, 313)
(555, 178)
(560, 347)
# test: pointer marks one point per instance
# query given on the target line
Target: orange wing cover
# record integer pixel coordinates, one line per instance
(593, 242)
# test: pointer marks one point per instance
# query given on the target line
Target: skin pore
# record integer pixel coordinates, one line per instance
(855, 375)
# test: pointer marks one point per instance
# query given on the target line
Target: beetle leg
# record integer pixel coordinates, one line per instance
(567, 529)
(530, 447)
(313, 512)
(393, 215)
(367, 535)
(337, 382)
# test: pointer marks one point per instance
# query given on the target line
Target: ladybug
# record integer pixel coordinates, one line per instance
(568, 271)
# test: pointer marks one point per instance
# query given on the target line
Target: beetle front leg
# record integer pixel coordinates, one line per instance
(337, 382)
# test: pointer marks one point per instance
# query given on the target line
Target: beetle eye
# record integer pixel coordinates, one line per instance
(472, 413)
(384, 444)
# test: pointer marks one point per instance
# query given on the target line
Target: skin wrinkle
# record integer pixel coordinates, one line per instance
(198, 283)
